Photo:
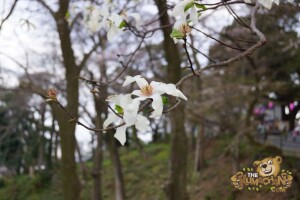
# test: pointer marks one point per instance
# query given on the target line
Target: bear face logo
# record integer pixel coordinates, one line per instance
(268, 166)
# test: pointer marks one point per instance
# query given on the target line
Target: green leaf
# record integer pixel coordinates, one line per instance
(119, 109)
(165, 100)
(201, 6)
(176, 34)
(188, 6)
(68, 14)
(123, 24)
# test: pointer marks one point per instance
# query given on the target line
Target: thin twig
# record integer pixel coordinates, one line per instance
(188, 56)
(9, 13)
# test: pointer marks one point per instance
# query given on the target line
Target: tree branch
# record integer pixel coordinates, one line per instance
(9, 13)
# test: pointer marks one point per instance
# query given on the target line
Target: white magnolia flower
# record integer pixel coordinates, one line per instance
(153, 91)
(96, 18)
(179, 11)
(115, 21)
(268, 3)
(248, 1)
(129, 111)
(183, 29)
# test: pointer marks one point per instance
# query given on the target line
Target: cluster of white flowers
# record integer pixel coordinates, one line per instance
(126, 111)
(97, 18)
(267, 3)
(185, 13)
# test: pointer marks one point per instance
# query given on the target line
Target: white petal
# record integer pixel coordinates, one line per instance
(158, 87)
(142, 123)
(179, 9)
(157, 105)
(137, 93)
(142, 98)
(128, 80)
(121, 134)
(138, 79)
(175, 40)
(125, 100)
(131, 112)
(104, 12)
(94, 21)
(171, 89)
(141, 82)
(116, 99)
(178, 24)
(112, 32)
(247, 1)
(194, 15)
(116, 19)
(112, 117)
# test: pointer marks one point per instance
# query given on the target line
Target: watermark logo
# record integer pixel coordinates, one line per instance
(266, 175)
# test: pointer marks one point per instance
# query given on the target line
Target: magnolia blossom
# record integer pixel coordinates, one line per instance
(181, 30)
(113, 24)
(153, 91)
(182, 12)
(98, 18)
(128, 110)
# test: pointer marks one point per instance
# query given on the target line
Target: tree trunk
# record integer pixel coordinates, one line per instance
(71, 185)
(98, 154)
(115, 157)
(50, 147)
(81, 164)
(97, 169)
(41, 141)
(56, 144)
(176, 190)
(200, 148)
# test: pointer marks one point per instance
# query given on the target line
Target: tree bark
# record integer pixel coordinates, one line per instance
(97, 169)
(200, 148)
(41, 141)
(98, 154)
(71, 185)
(81, 164)
(115, 157)
(176, 190)
(50, 147)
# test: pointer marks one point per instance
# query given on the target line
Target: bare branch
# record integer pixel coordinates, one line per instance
(9, 13)
(249, 51)
(43, 3)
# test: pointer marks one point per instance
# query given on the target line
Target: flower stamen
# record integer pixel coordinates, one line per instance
(185, 29)
(147, 90)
